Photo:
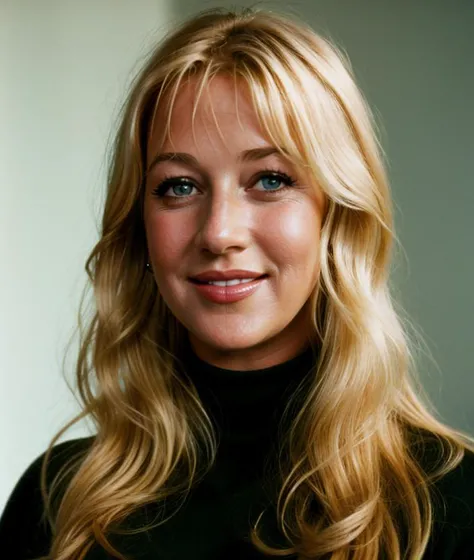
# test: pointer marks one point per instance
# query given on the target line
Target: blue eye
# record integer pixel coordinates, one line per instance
(273, 179)
(186, 188)
(182, 187)
(174, 183)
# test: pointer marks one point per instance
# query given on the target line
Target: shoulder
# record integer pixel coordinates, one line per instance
(456, 487)
(60, 455)
(24, 507)
(452, 498)
(453, 493)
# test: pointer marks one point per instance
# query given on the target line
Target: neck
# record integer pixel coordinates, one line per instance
(246, 406)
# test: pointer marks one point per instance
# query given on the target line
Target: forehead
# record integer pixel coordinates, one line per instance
(222, 112)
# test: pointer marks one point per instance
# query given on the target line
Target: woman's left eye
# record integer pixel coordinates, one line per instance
(276, 178)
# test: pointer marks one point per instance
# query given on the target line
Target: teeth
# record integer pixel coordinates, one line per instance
(231, 282)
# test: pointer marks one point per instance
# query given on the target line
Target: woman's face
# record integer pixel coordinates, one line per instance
(227, 213)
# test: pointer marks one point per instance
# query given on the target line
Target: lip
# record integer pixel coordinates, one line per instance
(229, 294)
(216, 275)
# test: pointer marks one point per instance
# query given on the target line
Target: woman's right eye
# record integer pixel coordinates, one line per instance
(179, 187)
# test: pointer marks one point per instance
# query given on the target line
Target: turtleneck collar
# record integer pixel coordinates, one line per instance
(246, 406)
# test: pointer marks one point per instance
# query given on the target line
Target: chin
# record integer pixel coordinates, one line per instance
(231, 342)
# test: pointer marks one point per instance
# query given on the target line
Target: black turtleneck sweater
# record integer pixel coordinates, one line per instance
(213, 524)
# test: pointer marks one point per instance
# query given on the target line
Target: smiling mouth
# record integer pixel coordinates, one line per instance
(194, 281)
(224, 293)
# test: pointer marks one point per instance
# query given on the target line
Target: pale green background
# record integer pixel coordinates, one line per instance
(64, 66)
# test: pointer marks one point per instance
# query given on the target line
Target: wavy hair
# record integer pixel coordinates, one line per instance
(351, 448)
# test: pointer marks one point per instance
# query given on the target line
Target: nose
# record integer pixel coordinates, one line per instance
(224, 223)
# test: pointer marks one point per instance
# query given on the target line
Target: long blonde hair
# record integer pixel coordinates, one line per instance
(351, 446)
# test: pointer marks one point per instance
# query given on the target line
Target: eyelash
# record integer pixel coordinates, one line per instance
(171, 181)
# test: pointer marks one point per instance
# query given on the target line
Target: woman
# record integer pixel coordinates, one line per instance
(250, 381)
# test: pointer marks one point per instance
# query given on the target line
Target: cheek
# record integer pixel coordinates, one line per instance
(293, 235)
(167, 239)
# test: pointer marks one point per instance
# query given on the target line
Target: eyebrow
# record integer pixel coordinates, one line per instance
(187, 159)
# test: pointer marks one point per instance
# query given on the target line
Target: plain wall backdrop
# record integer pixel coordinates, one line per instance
(64, 68)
